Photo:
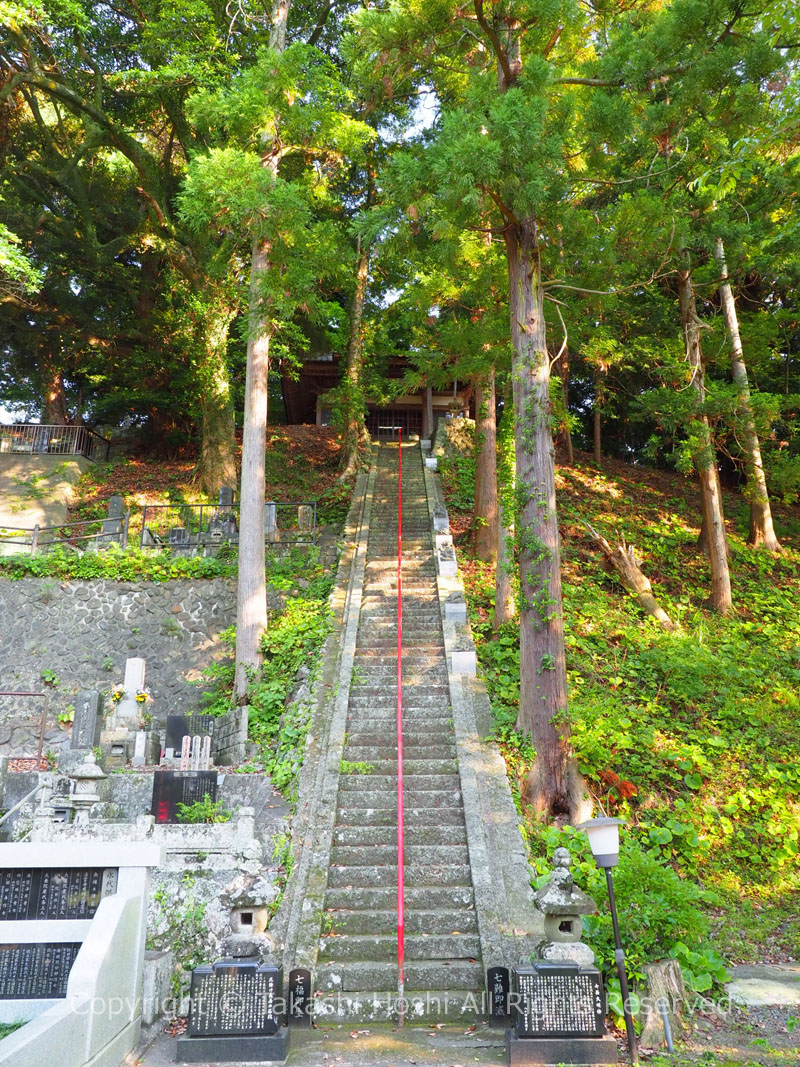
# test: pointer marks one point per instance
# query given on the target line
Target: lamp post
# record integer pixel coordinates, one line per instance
(603, 837)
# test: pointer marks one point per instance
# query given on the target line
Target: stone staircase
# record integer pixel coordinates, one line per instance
(468, 899)
(358, 955)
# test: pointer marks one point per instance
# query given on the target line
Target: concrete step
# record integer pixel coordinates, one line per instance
(430, 801)
(420, 975)
(375, 753)
(386, 855)
(448, 783)
(378, 947)
(429, 1007)
(418, 877)
(387, 835)
(386, 815)
(411, 767)
(438, 921)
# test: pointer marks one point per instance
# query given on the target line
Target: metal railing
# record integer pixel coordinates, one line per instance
(186, 527)
(100, 532)
(37, 439)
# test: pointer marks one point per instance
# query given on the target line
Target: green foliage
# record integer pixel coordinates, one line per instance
(178, 922)
(661, 912)
(689, 736)
(204, 811)
(356, 767)
(8, 1028)
(126, 565)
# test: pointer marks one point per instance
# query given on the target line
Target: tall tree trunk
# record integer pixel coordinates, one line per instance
(427, 413)
(485, 509)
(704, 458)
(543, 676)
(217, 463)
(356, 438)
(54, 410)
(251, 602)
(564, 434)
(597, 424)
(505, 607)
(762, 532)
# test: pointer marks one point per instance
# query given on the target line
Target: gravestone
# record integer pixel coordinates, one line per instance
(112, 525)
(36, 971)
(171, 788)
(270, 521)
(498, 982)
(61, 893)
(87, 720)
(559, 1016)
(305, 519)
(236, 1011)
(299, 1006)
(180, 726)
(226, 495)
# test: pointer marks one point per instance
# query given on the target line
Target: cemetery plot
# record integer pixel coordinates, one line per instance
(67, 893)
(171, 788)
(235, 998)
(36, 972)
(558, 1000)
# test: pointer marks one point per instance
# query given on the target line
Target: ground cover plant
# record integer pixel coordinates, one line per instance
(692, 737)
(295, 636)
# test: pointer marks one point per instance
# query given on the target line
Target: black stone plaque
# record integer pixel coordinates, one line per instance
(54, 893)
(299, 1009)
(498, 982)
(36, 972)
(171, 788)
(180, 726)
(558, 1000)
(234, 998)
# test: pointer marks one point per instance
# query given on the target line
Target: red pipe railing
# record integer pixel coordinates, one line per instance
(401, 920)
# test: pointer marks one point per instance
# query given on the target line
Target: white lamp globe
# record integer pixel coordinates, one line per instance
(603, 834)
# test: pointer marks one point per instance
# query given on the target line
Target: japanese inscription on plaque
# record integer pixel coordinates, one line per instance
(47, 893)
(234, 998)
(36, 972)
(558, 1000)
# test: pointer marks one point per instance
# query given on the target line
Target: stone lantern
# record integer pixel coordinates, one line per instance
(85, 780)
(563, 904)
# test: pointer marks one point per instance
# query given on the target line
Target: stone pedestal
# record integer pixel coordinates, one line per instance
(273, 1048)
(541, 1051)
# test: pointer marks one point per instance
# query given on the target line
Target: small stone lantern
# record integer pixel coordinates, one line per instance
(85, 779)
(563, 905)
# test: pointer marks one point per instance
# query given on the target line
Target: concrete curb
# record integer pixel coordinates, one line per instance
(300, 916)
(508, 921)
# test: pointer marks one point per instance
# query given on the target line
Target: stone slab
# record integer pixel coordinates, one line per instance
(764, 992)
(544, 1051)
(250, 1049)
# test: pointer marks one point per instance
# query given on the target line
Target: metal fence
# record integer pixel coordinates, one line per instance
(36, 439)
(186, 527)
(97, 533)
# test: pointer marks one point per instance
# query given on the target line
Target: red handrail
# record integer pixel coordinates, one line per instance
(401, 919)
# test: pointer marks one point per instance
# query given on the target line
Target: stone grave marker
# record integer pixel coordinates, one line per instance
(171, 788)
(59, 893)
(37, 971)
(299, 1007)
(559, 1016)
(87, 720)
(270, 521)
(498, 982)
(112, 525)
(236, 1011)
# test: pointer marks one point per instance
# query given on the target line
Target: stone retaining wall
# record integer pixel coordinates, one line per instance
(80, 633)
